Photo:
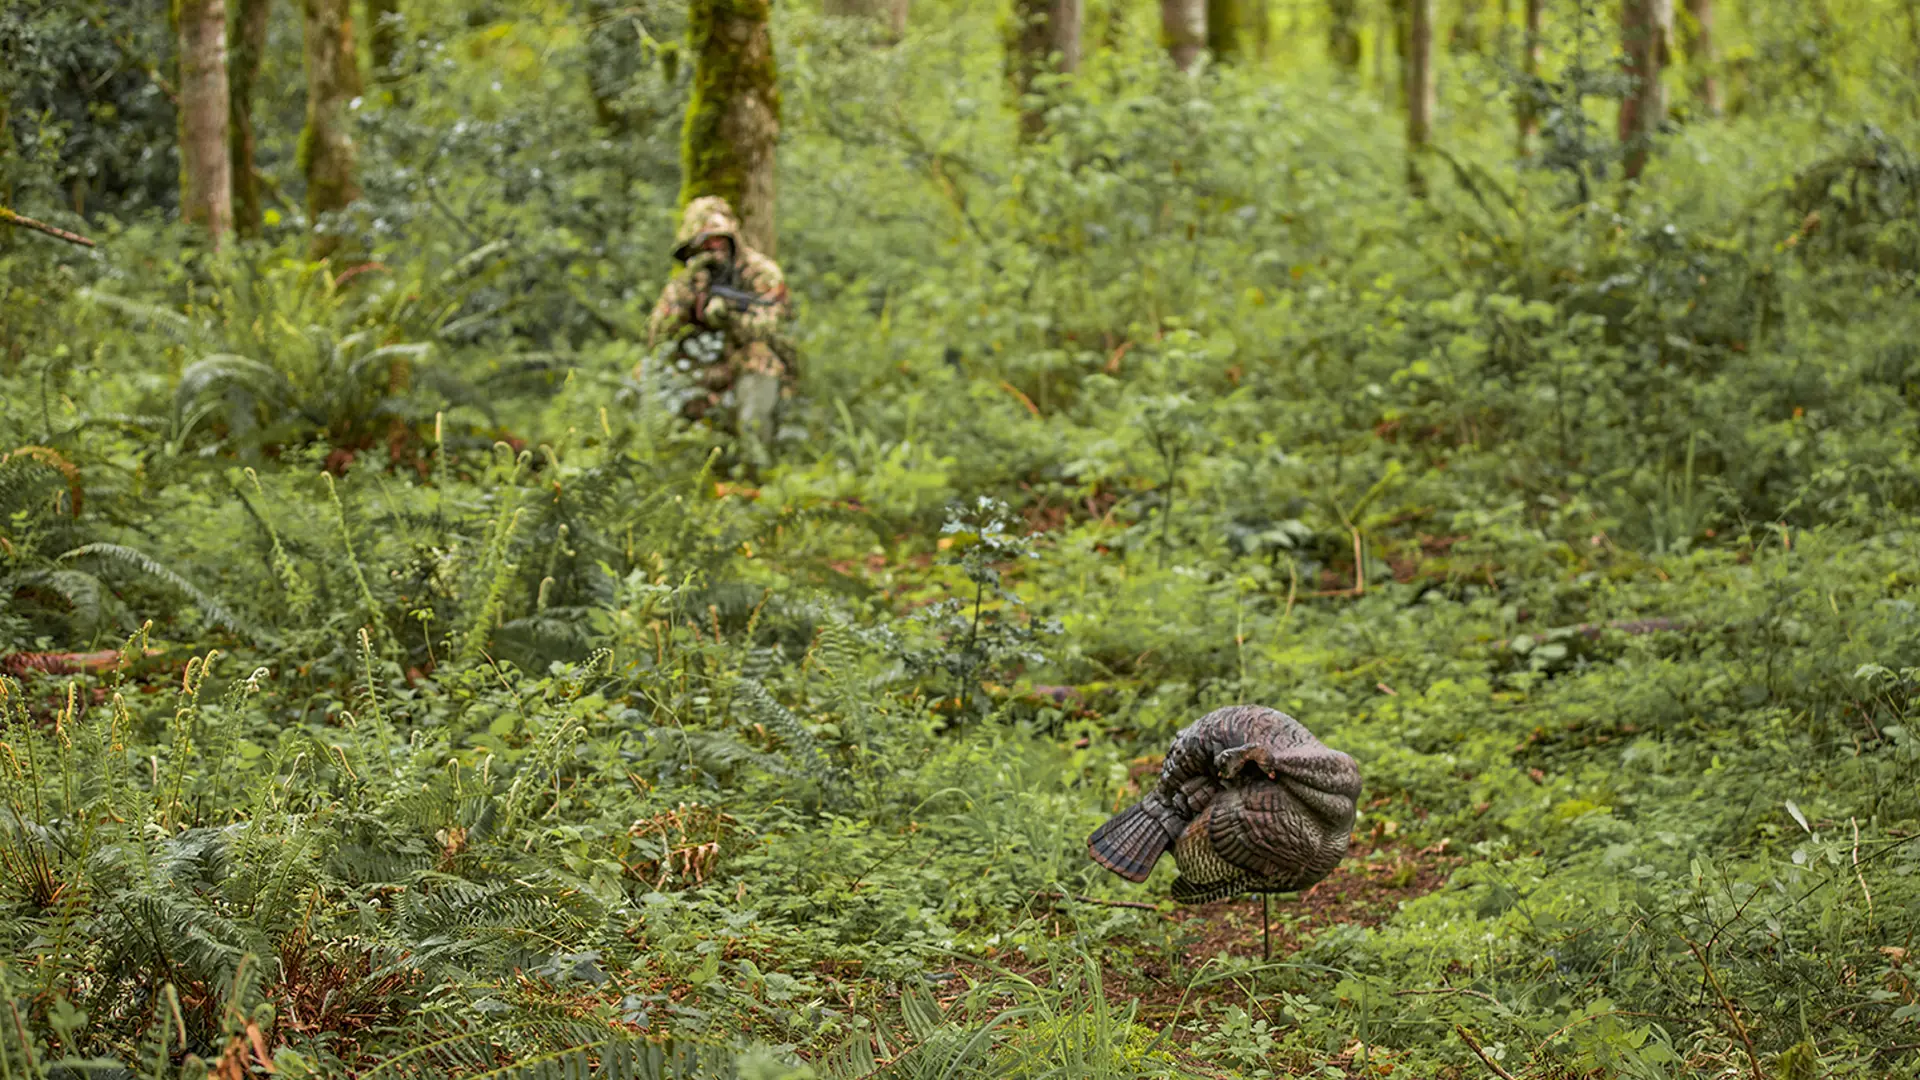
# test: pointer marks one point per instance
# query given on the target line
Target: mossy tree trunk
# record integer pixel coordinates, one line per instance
(243, 71)
(1183, 25)
(383, 36)
(1701, 55)
(326, 144)
(1645, 26)
(7, 166)
(890, 14)
(206, 177)
(1045, 39)
(1393, 86)
(1343, 34)
(1421, 90)
(733, 113)
(1223, 29)
(1532, 52)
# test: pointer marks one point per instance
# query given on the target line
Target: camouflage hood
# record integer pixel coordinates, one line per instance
(704, 218)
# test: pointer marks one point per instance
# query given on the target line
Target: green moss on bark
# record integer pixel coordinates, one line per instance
(243, 71)
(733, 111)
(1223, 29)
(326, 151)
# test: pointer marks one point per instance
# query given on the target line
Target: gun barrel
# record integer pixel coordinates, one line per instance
(738, 296)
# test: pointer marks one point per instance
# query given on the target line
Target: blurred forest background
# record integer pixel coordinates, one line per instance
(1525, 394)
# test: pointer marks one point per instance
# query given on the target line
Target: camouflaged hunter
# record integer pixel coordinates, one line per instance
(723, 316)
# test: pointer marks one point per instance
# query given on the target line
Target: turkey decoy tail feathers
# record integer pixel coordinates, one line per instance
(1130, 842)
(1248, 801)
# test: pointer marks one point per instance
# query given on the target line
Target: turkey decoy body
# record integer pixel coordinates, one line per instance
(1248, 800)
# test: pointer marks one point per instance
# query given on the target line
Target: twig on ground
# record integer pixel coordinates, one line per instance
(1713, 980)
(1134, 904)
(1858, 876)
(1481, 1054)
(1482, 995)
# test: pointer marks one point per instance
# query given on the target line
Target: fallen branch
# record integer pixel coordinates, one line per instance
(1862, 878)
(1445, 990)
(1024, 399)
(1713, 980)
(93, 663)
(56, 232)
(1134, 904)
(1592, 631)
(1481, 1054)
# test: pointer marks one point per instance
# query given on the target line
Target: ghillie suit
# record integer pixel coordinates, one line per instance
(1248, 800)
(723, 318)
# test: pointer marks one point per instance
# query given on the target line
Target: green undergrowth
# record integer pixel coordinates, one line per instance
(393, 687)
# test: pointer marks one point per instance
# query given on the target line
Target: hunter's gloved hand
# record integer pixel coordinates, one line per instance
(715, 312)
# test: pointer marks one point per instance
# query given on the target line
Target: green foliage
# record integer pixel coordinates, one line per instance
(471, 716)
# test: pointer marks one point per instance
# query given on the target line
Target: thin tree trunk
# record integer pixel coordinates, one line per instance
(890, 14)
(1343, 33)
(7, 166)
(1701, 58)
(733, 113)
(1223, 29)
(243, 71)
(1421, 90)
(383, 36)
(1388, 86)
(206, 178)
(1045, 38)
(1183, 23)
(1394, 88)
(326, 144)
(1469, 32)
(1644, 27)
(1256, 17)
(1532, 50)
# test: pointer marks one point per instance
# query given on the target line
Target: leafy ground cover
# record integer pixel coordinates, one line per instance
(393, 688)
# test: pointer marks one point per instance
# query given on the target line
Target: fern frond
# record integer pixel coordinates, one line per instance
(780, 721)
(214, 610)
(165, 318)
(721, 754)
(90, 604)
(225, 371)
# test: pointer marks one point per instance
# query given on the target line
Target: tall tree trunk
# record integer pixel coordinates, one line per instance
(1183, 23)
(249, 47)
(1644, 28)
(326, 144)
(1469, 32)
(7, 167)
(383, 36)
(1532, 51)
(1343, 33)
(1700, 55)
(1393, 87)
(1045, 38)
(890, 14)
(1223, 29)
(1257, 18)
(733, 113)
(206, 176)
(1421, 90)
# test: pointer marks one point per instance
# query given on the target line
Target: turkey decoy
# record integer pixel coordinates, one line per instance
(1248, 800)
